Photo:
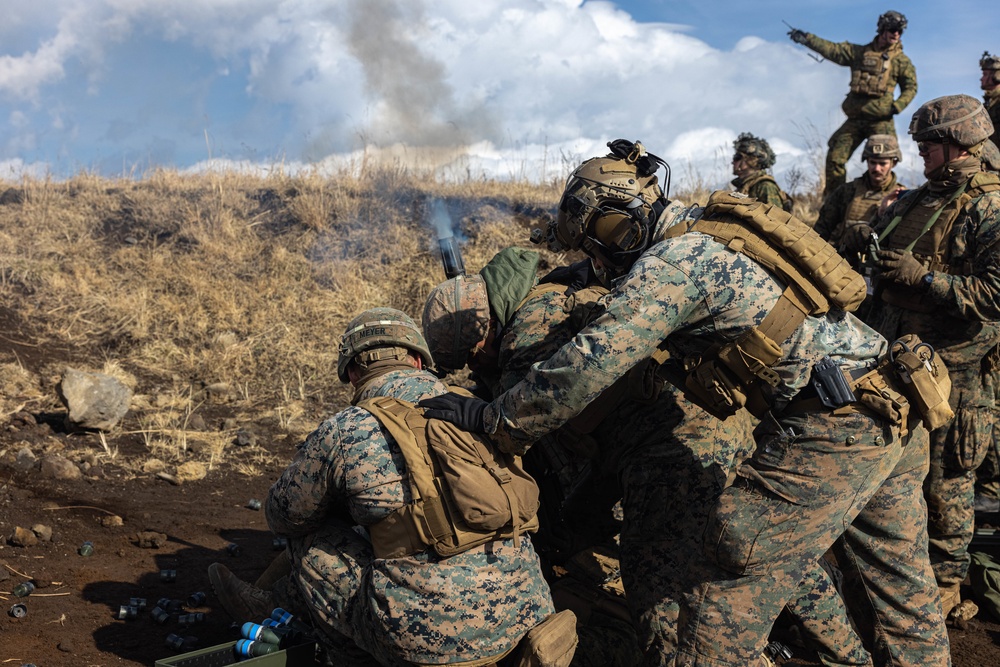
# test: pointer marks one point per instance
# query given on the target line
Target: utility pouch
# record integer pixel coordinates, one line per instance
(831, 385)
(713, 387)
(924, 379)
(876, 391)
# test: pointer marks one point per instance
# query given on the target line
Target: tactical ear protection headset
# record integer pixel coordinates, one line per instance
(609, 206)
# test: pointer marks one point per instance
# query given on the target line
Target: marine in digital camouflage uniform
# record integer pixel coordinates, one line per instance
(752, 157)
(858, 202)
(811, 474)
(478, 320)
(940, 279)
(990, 83)
(877, 68)
(348, 474)
(988, 474)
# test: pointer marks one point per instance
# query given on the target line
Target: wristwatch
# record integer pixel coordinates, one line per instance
(927, 280)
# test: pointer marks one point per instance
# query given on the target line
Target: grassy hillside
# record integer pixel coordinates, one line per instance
(224, 294)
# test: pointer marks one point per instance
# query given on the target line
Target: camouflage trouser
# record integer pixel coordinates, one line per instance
(845, 479)
(956, 451)
(326, 596)
(988, 473)
(844, 141)
(668, 497)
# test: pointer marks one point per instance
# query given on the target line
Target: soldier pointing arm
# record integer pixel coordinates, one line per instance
(877, 68)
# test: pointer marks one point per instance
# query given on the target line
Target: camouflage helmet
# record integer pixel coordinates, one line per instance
(380, 333)
(990, 156)
(957, 119)
(456, 319)
(607, 207)
(891, 20)
(882, 146)
(756, 148)
(989, 62)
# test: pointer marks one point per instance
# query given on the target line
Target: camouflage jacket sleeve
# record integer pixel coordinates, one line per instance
(841, 53)
(654, 299)
(345, 468)
(905, 76)
(766, 191)
(833, 210)
(975, 296)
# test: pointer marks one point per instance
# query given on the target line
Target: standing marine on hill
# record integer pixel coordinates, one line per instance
(940, 279)
(858, 202)
(752, 157)
(876, 69)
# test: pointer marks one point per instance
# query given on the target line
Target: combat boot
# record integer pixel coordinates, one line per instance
(242, 601)
(551, 643)
(950, 597)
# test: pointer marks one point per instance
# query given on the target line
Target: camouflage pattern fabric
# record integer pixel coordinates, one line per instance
(842, 144)
(962, 328)
(420, 609)
(761, 187)
(673, 459)
(695, 292)
(866, 115)
(832, 221)
(991, 100)
(988, 473)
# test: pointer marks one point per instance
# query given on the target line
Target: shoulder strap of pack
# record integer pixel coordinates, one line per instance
(413, 527)
(785, 245)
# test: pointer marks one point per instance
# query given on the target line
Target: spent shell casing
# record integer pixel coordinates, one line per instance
(87, 549)
(159, 615)
(279, 543)
(168, 576)
(23, 589)
(192, 618)
(18, 611)
(196, 599)
(138, 603)
(127, 613)
(253, 504)
(234, 549)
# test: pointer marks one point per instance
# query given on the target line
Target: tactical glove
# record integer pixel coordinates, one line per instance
(798, 36)
(856, 238)
(576, 276)
(464, 412)
(901, 267)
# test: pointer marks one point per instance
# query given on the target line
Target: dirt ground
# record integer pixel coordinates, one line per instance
(71, 615)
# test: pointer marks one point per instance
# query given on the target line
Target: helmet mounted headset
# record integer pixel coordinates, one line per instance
(610, 206)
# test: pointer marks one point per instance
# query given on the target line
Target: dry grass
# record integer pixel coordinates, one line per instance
(175, 283)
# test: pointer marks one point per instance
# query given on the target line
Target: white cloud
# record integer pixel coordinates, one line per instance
(520, 85)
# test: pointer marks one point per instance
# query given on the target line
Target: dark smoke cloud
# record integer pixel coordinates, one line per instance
(413, 103)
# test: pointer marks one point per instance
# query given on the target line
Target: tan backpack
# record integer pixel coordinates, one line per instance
(739, 374)
(465, 491)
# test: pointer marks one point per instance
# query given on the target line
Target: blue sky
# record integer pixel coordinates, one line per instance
(506, 88)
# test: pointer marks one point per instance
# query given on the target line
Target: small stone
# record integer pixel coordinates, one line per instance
(4, 572)
(149, 539)
(218, 392)
(191, 471)
(26, 460)
(42, 532)
(66, 646)
(57, 467)
(22, 537)
(245, 438)
(197, 423)
(112, 521)
(228, 424)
